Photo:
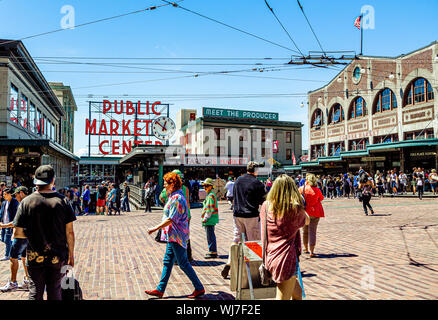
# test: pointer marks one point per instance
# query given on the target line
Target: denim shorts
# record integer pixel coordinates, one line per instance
(18, 248)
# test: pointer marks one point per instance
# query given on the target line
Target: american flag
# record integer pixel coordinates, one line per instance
(358, 21)
(294, 160)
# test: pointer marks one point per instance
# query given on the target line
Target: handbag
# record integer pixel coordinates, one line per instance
(158, 237)
(265, 275)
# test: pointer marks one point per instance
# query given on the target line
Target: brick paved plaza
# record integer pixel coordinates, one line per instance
(116, 259)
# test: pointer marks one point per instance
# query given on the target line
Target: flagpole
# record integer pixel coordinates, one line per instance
(361, 34)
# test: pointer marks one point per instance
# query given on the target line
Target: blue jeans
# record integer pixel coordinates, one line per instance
(211, 238)
(6, 235)
(125, 204)
(175, 252)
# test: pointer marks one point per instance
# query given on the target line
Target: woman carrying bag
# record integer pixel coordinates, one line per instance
(313, 197)
(285, 215)
(175, 231)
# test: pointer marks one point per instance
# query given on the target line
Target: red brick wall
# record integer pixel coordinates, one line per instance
(362, 85)
(381, 69)
(422, 60)
(336, 89)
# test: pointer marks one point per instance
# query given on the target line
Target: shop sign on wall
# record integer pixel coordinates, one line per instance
(3, 164)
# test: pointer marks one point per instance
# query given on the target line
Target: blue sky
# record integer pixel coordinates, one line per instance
(169, 32)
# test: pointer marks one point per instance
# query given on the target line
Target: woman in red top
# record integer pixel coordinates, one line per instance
(313, 197)
(284, 210)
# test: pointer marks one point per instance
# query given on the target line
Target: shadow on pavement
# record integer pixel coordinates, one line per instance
(335, 255)
(217, 295)
(380, 215)
(211, 263)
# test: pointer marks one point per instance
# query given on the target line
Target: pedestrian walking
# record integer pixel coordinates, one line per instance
(46, 218)
(365, 187)
(101, 198)
(126, 196)
(248, 194)
(111, 201)
(85, 198)
(420, 186)
(433, 179)
(76, 201)
(283, 213)
(175, 231)
(18, 250)
(312, 197)
(164, 197)
(210, 217)
(230, 186)
(149, 196)
(8, 211)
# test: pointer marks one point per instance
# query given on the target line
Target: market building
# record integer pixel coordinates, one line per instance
(30, 120)
(378, 113)
(222, 141)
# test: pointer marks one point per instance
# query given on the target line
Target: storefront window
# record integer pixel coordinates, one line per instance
(418, 135)
(419, 91)
(358, 108)
(317, 119)
(336, 114)
(24, 105)
(386, 101)
(336, 148)
(288, 137)
(288, 154)
(13, 103)
(386, 139)
(32, 120)
(39, 123)
(359, 144)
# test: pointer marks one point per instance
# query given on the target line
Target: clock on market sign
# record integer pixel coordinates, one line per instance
(164, 128)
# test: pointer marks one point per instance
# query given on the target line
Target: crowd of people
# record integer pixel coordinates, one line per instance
(391, 182)
(37, 227)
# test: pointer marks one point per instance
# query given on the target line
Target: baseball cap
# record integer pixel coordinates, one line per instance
(178, 172)
(44, 175)
(22, 188)
(250, 167)
(208, 181)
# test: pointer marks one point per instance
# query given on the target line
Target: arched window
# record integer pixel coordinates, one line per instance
(358, 108)
(385, 101)
(336, 114)
(317, 119)
(418, 91)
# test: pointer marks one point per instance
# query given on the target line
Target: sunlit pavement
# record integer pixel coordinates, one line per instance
(391, 255)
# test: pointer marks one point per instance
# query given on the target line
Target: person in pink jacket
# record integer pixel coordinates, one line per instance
(313, 197)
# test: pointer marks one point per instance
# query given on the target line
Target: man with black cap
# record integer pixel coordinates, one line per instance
(18, 249)
(46, 218)
(248, 195)
(7, 215)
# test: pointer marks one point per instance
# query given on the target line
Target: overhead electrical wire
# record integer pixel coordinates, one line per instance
(88, 23)
(311, 28)
(290, 37)
(231, 27)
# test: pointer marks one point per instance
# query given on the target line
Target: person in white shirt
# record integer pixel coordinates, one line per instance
(229, 187)
(403, 178)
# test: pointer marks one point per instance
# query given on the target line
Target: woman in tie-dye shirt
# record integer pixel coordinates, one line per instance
(175, 230)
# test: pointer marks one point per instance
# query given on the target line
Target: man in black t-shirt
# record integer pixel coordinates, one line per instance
(101, 198)
(46, 218)
(248, 194)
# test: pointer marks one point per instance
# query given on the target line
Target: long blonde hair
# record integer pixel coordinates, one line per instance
(284, 197)
(311, 178)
